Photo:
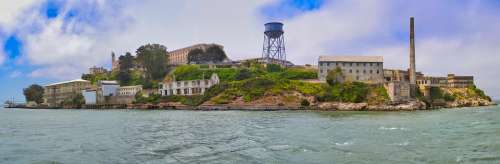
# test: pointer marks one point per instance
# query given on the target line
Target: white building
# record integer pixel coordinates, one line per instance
(189, 87)
(129, 90)
(368, 69)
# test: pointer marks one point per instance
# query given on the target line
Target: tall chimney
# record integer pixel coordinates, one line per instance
(412, 73)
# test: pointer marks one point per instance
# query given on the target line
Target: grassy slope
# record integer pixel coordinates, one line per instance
(258, 85)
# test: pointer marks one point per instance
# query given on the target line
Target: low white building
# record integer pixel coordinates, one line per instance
(368, 69)
(188, 87)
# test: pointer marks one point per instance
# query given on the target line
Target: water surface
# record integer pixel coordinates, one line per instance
(468, 135)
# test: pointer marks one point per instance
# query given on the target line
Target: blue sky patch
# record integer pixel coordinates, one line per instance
(52, 9)
(12, 46)
(287, 9)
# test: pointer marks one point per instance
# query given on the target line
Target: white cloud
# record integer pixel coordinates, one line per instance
(2, 56)
(10, 10)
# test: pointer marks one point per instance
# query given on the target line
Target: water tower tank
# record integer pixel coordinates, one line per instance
(274, 29)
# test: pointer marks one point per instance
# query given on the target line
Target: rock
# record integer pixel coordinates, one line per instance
(403, 106)
(342, 106)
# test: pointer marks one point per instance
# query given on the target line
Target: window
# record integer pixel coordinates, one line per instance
(378, 71)
(350, 64)
(343, 64)
(371, 71)
(357, 71)
(321, 71)
(357, 77)
(364, 64)
(364, 71)
(327, 64)
(185, 83)
(350, 71)
(371, 64)
(357, 64)
(178, 84)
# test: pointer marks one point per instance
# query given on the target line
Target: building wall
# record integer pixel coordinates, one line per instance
(398, 91)
(368, 72)
(180, 56)
(129, 90)
(191, 87)
(90, 97)
(55, 94)
(426, 82)
(460, 81)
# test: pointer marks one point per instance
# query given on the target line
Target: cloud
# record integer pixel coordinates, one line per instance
(10, 10)
(15, 74)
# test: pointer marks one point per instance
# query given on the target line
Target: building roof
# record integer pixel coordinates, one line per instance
(374, 59)
(108, 82)
(64, 82)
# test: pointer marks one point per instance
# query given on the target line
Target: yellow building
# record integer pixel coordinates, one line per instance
(56, 93)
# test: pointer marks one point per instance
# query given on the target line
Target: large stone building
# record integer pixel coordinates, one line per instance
(55, 94)
(189, 87)
(180, 56)
(368, 69)
(460, 81)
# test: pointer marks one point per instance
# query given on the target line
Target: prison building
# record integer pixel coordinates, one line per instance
(460, 81)
(367, 69)
(180, 56)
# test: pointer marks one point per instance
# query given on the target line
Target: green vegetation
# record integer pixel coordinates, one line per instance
(213, 54)
(437, 93)
(335, 76)
(153, 58)
(256, 81)
(34, 93)
(94, 78)
(141, 99)
(77, 101)
(476, 92)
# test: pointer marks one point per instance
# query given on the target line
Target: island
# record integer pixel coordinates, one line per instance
(202, 77)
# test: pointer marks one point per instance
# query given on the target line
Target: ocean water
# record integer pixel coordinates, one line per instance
(467, 135)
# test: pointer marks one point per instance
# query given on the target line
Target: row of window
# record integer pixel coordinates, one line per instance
(186, 83)
(184, 91)
(357, 71)
(348, 63)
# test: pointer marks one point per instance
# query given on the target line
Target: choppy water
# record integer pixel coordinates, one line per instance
(132, 136)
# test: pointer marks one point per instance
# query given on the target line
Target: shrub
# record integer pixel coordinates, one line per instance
(243, 74)
(273, 68)
(299, 73)
(305, 102)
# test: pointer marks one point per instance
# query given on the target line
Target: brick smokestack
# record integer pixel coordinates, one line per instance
(412, 73)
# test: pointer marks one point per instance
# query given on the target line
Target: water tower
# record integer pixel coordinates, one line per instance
(274, 44)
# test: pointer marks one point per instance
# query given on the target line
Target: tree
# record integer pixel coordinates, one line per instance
(213, 54)
(126, 64)
(34, 93)
(153, 57)
(78, 100)
(335, 76)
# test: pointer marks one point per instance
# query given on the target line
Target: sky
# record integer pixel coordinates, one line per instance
(45, 41)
